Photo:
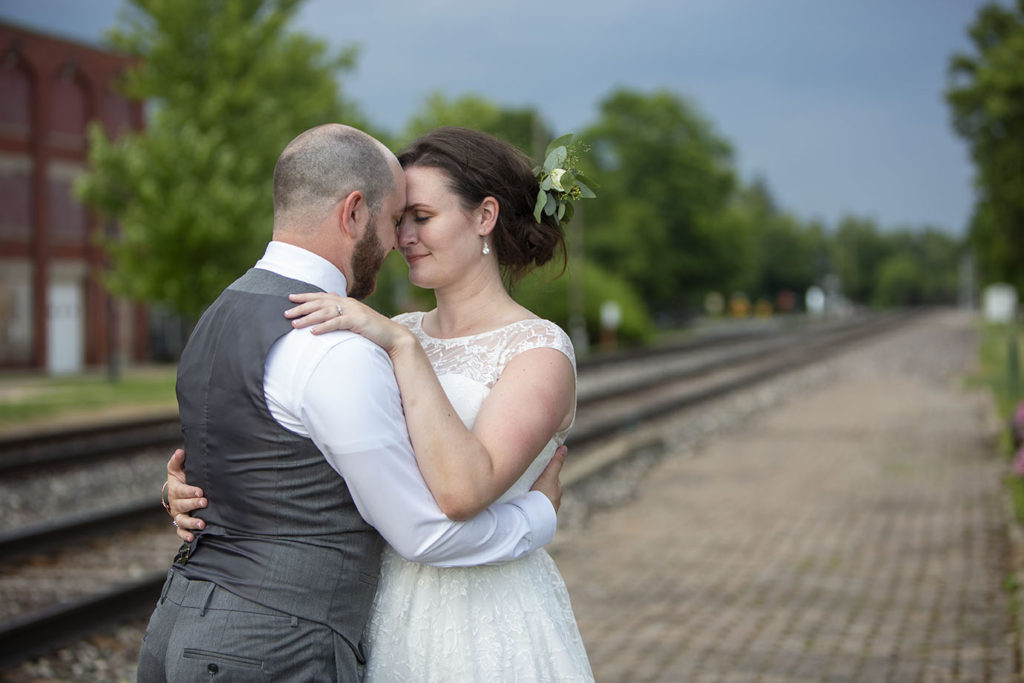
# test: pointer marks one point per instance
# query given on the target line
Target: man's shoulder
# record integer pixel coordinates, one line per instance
(304, 364)
(339, 347)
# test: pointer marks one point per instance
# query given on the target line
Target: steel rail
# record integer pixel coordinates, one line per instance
(764, 344)
(28, 452)
(791, 358)
(41, 631)
(77, 528)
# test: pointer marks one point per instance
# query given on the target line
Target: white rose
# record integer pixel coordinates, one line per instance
(556, 179)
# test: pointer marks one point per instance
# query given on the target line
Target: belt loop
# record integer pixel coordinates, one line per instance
(206, 602)
(167, 586)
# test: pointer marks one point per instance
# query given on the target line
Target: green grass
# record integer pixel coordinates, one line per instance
(31, 399)
(996, 372)
(996, 364)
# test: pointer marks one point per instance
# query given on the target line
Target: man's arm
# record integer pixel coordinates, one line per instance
(351, 407)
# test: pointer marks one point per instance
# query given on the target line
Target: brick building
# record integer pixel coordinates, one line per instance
(54, 312)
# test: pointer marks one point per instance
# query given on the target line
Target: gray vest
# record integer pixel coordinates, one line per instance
(281, 527)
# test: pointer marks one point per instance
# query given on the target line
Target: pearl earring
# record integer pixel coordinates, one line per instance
(487, 249)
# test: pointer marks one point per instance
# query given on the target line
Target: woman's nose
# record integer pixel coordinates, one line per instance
(406, 233)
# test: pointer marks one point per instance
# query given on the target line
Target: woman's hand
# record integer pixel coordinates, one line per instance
(330, 311)
(548, 482)
(182, 499)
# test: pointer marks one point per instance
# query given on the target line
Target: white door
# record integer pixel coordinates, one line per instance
(64, 339)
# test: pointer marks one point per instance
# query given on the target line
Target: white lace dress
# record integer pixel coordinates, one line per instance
(509, 622)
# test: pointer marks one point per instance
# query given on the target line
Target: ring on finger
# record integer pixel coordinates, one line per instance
(340, 312)
(174, 523)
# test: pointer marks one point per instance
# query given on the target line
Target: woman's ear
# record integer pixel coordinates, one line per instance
(487, 214)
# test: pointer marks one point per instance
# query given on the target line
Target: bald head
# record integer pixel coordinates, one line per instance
(325, 164)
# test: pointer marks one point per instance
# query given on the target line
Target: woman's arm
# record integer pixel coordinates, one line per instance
(465, 470)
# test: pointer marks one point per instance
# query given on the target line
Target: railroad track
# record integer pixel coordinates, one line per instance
(62, 447)
(615, 394)
(26, 453)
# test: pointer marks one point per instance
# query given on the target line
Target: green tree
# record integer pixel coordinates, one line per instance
(666, 180)
(228, 85)
(780, 252)
(986, 95)
(919, 267)
(522, 127)
(547, 295)
(790, 253)
(858, 250)
(900, 281)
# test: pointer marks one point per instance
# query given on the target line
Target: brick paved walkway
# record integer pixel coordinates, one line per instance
(854, 533)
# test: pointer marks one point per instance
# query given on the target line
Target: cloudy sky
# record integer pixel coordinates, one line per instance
(837, 104)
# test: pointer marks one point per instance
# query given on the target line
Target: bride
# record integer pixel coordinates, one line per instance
(486, 385)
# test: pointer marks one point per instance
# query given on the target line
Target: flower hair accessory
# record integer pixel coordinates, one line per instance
(560, 181)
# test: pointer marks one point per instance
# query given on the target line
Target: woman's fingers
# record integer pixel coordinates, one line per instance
(184, 499)
(186, 524)
(311, 313)
(319, 309)
(312, 296)
(301, 310)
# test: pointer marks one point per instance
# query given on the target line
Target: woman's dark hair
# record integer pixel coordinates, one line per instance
(479, 165)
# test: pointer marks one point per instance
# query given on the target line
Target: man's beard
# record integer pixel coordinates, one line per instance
(366, 262)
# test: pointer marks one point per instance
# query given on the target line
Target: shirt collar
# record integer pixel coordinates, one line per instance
(301, 264)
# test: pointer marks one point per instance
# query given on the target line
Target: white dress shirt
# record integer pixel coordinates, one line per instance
(339, 390)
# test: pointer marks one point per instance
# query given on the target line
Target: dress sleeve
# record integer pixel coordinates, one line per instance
(539, 334)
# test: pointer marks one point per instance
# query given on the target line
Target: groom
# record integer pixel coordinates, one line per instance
(279, 583)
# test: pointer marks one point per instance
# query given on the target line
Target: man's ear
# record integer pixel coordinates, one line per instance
(487, 215)
(353, 214)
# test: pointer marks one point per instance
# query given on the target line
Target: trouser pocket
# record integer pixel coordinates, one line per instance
(221, 662)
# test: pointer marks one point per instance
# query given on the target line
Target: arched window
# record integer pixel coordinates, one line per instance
(15, 168)
(15, 197)
(16, 103)
(68, 111)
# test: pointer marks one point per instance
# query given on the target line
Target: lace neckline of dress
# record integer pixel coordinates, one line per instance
(419, 328)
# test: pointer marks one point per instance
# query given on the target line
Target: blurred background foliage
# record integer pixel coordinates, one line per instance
(986, 96)
(228, 84)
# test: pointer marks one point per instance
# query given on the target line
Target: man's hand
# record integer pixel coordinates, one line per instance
(183, 498)
(548, 482)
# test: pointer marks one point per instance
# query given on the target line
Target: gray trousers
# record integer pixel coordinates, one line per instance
(201, 632)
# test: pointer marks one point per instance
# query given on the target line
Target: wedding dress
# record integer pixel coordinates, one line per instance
(508, 622)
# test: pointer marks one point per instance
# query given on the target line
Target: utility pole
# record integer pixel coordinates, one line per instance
(577, 298)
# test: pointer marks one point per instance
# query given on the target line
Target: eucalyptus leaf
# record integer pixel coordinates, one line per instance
(586, 192)
(555, 159)
(562, 141)
(570, 209)
(549, 206)
(546, 183)
(568, 180)
(584, 179)
(561, 210)
(542, 199)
